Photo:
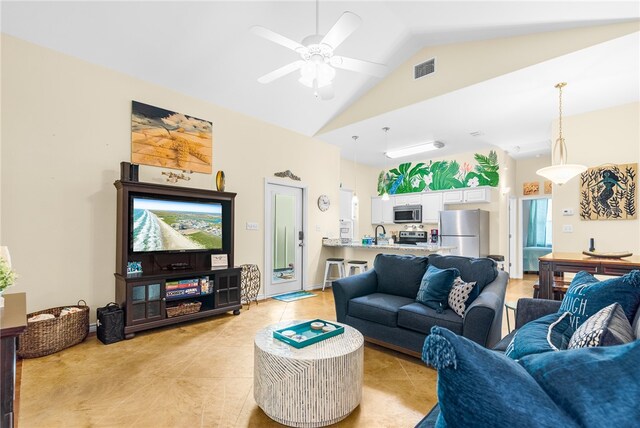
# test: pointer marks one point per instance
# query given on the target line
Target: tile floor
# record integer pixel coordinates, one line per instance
(199, 374)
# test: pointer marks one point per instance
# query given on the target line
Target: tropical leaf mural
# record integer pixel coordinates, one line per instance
(440, 175)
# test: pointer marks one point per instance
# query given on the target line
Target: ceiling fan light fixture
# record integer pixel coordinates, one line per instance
(320, 74)
(414, 150)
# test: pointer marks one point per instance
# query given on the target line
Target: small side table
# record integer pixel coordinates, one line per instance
(249, 284)
(311, 387)
(510, 306)
(13, 321)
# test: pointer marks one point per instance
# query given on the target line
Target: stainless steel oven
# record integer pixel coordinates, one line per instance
(407, 214)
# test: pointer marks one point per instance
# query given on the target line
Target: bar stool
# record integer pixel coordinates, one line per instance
(498, 259)
(361, 265)
(337, 262)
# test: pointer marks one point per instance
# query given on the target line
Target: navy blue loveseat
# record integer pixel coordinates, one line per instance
(381, 303)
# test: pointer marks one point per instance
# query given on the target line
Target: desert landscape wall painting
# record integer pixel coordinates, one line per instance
(167, 139)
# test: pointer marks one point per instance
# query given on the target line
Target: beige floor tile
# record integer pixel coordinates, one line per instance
(200, 374)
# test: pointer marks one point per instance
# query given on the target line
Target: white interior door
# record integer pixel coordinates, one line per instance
(284, 239)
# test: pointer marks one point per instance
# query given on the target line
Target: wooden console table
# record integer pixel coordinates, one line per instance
(13, 321)
(575, 262)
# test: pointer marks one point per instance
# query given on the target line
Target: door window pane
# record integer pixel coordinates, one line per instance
(153, 309)
(138, 311)
(284, 237)
(139, 293)
(154, 291)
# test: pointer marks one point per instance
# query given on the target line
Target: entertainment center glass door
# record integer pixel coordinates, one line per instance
(146, 302)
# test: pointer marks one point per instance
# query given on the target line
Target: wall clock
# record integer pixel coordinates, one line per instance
(323, 202)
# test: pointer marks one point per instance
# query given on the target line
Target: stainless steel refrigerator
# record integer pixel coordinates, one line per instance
(467, 230)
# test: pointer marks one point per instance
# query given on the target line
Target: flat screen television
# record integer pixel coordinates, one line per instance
(165, 224)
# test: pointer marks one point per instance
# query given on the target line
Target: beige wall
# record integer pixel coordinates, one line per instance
(526, 173)
(604, 136)
(65, 129)
(351, 173)
(487, 59)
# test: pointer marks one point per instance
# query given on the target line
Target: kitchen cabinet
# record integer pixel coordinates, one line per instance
(381, 211)
(474, 195)
(478, 194)
(410, 199)
(453, 197)
(432, 204)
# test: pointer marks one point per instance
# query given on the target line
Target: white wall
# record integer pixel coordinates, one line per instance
(604, 136)
(66, 128)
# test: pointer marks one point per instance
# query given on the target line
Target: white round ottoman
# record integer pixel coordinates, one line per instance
(310, 387)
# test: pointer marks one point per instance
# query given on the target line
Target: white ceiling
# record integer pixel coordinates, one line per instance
(205, 49)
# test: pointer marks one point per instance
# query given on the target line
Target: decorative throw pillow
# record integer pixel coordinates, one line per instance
(549, 333)
(587, 295)
(435, 287)
(459, 294)
(473, 383)
(596, 387)
(607, 327)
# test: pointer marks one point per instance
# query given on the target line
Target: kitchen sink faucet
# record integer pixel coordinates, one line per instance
(375, 239)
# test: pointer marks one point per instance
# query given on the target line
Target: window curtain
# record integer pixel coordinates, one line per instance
(539, 235)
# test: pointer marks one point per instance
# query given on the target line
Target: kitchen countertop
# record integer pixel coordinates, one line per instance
(401, 247)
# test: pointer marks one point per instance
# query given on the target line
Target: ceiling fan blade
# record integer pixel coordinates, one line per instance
(326, 92)
(344, 26)
(282, 71)
(358, 65)
(276, 38)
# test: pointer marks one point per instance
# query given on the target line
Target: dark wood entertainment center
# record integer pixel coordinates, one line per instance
(143, 295)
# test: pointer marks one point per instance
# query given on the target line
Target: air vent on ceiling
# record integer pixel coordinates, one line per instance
(424, 68)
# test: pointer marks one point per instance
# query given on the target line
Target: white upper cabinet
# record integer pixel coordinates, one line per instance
(381, 211)
(408, 199)
(477, 195)
(432, 204)
(453, 197)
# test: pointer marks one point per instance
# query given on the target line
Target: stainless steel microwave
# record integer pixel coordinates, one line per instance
(407, 214)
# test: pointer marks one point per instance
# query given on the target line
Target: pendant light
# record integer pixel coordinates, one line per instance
(562, 171)
(385, 195)
(354, 200)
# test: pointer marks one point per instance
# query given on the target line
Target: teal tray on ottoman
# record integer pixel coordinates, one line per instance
(304, 335)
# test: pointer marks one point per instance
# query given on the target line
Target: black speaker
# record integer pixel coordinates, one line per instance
(128, 171)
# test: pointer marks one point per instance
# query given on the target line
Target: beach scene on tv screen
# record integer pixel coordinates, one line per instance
(160, 225)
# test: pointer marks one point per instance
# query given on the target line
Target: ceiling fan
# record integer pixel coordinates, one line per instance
(317, 56)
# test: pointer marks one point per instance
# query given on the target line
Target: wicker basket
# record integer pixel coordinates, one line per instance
(50, 336)
(183, 309)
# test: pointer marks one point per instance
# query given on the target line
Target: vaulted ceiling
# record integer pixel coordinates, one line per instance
(205, 49)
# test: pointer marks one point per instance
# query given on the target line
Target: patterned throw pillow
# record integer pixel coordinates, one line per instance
(587, 295)
(459, 294)
(607, 327)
